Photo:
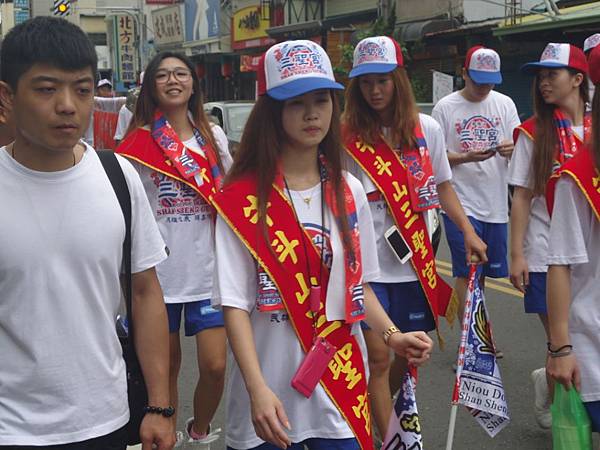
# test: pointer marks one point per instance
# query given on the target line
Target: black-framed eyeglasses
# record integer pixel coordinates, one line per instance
(182, 75)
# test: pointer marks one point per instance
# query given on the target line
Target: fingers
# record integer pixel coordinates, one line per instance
(525, 279)
(282, 416)
(517, 280)
(268, 428)
(577, 379)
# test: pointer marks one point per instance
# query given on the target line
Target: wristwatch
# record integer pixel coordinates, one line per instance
(388, 333)
(165, 412)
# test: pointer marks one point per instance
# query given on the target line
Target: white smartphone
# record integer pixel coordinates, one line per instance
(398, 244)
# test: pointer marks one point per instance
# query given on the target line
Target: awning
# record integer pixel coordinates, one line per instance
(300, 30)
(414, 31)
(573, 16)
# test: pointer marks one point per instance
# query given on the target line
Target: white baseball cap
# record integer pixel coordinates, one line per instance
(293, 68)
(483, 65)
(591, 42)
(104, 82)
(379, 54)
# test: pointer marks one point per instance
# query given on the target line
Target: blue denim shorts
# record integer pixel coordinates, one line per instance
(406, 305)
(198, 316)
(535, 294)
(593, 409)
(495, 235)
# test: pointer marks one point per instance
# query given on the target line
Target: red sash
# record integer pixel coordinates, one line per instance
(140, 146)
(582, 169)
(105, 125)
(285, 263)
(568, 142)
(390, 176)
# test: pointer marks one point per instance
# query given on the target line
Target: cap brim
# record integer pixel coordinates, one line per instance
(533, 67)
(365, 69)
(302, 86)
(481, 77)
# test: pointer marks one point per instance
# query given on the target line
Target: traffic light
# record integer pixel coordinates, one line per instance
(62, 7)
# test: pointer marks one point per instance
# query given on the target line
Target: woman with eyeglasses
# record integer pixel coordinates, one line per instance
(181, 159)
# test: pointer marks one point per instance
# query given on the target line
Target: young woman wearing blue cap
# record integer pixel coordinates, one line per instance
(400, 157)
(181, 159)
(574, 270)
(544, 142)
(295, 251)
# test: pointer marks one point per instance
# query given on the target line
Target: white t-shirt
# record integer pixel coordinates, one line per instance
(186, 223)
(575, 241)
(477, 126)
(62, 375)
(279, 350)
(123, 120)
(520, 173)
(392, 271)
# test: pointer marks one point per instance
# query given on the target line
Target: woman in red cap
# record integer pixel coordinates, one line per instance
(574, 269)
(543, 143)
(400, 157)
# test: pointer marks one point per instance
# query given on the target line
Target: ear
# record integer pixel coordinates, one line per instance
(6, 96)
(464, 74)
(577, 79)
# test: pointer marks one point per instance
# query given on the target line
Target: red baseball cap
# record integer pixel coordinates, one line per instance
(559, 56)
(594, 62)
(483, 65)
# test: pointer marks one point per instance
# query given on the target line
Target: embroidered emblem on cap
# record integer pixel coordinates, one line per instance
(485, 61)
(552, 51)
(370, 51)
(298, 59)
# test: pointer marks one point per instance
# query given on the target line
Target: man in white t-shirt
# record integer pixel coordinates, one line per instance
(478, 123)
(62, 374)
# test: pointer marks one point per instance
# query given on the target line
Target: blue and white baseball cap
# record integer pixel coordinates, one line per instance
(557, 56)
(379, 54)
(483, 65)
(293, 68)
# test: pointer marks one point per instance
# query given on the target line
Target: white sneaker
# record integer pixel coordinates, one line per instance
(542, 400)
(212, 435)
(180, 439)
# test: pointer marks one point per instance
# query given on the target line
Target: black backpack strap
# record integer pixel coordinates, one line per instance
(117, 180)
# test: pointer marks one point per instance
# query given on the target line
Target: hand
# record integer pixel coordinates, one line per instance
(478, 156)
(269, 418)
(157, 432)
(416, 346)
(505, 148)
(475, 246)
(519, 273)
(565, 370)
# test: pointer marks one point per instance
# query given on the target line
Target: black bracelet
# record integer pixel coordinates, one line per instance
(560, 349)
(165, 412)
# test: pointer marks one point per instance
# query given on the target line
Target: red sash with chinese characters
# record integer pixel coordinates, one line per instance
(568, 143)
(582, 169)
(390, 176)
(143, 147)
(285, 263)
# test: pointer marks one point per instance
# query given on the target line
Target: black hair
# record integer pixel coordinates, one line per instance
(45, 40)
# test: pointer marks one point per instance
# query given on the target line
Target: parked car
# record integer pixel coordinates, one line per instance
(231, 115)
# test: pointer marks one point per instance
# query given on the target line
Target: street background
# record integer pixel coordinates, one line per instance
(520, 336)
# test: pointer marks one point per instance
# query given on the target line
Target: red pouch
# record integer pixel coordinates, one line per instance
(313, 366)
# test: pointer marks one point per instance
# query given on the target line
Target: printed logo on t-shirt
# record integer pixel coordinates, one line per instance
(478, 133)
(318, 234)
(178, 202)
